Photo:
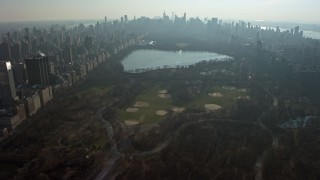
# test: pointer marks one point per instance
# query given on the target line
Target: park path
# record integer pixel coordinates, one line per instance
(259, 165)
(115, 154)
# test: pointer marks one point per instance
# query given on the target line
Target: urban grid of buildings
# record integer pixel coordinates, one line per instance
(35, 65)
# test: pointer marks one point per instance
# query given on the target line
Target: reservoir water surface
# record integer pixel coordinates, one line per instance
(146, 59)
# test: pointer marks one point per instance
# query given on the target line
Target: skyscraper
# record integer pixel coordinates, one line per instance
(296, 31)
(88, 42)
(20, 73)
(38, 69)
(5, 52)
(214, 21)
(16, 51)
(67, 54)
(26, 31)
(25, 48)
(15, 36)
(7, 85)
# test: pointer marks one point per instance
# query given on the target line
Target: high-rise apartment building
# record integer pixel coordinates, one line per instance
(38, 69)
(5, 51)
(7, 85)
(16, 51)
(296, 31)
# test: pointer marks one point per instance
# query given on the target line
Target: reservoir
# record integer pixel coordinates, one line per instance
(146, 59)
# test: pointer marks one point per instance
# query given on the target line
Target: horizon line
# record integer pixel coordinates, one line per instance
(154, 17)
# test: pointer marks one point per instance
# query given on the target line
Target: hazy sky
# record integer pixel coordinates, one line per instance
(277, 10)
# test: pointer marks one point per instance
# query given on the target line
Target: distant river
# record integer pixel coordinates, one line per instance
(307, 34)
(145, 59)
(311, 34)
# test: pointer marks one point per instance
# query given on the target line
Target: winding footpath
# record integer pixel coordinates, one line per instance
(115, 154)
(259, 165)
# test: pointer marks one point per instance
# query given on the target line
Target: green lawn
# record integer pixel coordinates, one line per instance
(147, 115)
(225, 101)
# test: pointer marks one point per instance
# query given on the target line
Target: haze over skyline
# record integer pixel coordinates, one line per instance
(271, 10)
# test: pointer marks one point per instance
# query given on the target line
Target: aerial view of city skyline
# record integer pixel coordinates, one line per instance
(269, 10)
(150, 89)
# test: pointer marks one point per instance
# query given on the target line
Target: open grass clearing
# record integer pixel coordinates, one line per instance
(147, 115)
(150, 114)
(228, 97)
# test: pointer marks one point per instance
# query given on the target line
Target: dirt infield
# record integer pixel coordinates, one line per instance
(132, 109)
(216, 94)
(164, 96)
(163, 91)
(131, 122)
(161, 112)
(212, 107)
(178, 109)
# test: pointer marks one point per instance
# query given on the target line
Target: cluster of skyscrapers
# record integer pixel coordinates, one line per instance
(36, 65)
(18, 98)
